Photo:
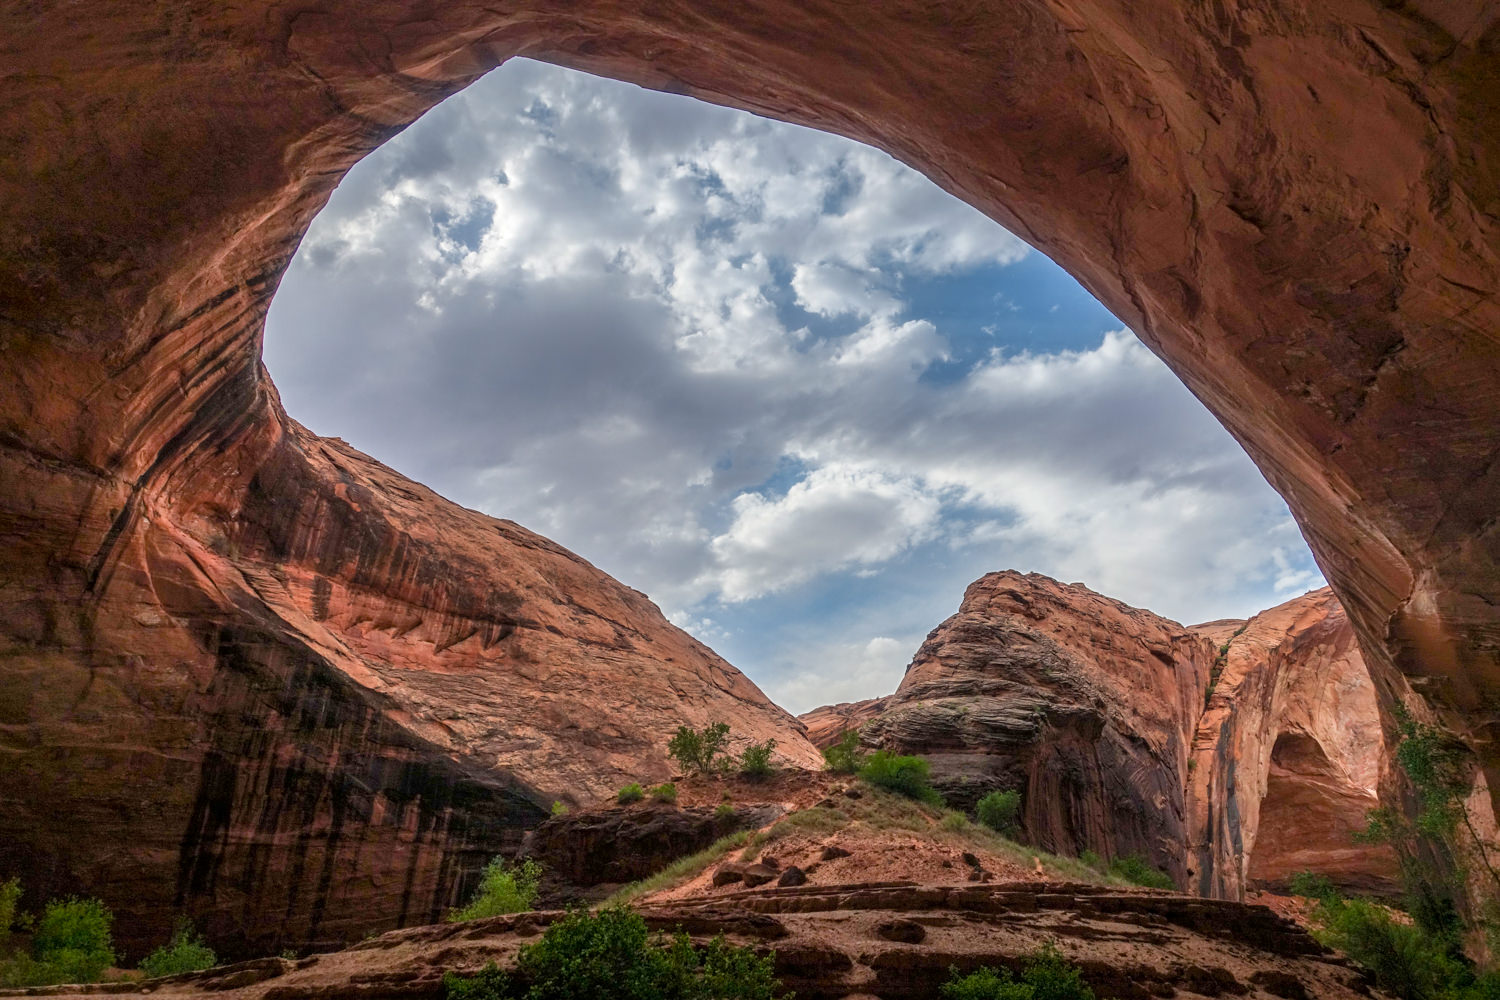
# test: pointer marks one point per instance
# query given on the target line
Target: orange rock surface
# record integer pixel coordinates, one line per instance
(1289, 755)
(1294, 205)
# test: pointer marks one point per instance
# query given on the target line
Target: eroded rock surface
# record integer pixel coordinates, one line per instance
(829, 722)
(836, 942)
(1289, 754)
(309, 698)
(1083, 703)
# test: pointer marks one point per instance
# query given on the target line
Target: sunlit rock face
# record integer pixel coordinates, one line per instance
(309, 698)
(1233, 754)
(1084, 704)
(1288, 756)
(1294, 205)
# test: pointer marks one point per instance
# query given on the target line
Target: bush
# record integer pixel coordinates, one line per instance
(1134, 869)
(700, 751)
(184, 952)
(489, 983)
(755, 761)
(610, 955)
(723, 811)
(502, 889)
(1001, 812)
(907, 776)
(632, 792)
(1093, 860)
(559, 808)
(1312, 885)
(1404, 959)
(1047, 976)
(73, 940)
(844, 757)
(10, 899)
(665, 793)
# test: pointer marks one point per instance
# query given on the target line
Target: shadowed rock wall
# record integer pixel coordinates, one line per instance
(1295, 206)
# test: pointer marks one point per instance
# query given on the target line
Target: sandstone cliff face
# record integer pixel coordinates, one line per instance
(1103, 716)
(308, 698)
(826, 724)
(1083, 703)
(1288, 756)
(1294, 205)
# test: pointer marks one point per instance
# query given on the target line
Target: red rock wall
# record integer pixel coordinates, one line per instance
(1083, 703)
(825, 725)
(1294, 205)
(1289, 755)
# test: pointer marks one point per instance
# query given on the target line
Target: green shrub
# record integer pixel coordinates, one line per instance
(1047, 976)
(700, 751)
(1404, 959)
(559, 808)
(1093, 860)
(489, 983)
(502, 889)
(632, 792)
(1001, 812)
(723, 811)
(73, 939)
(10, 900)
(1312, 885)
(184, 952)
(610, 955)
(1134, 869)
(755, 761)
(665, 792)
(844, 757)
(908, 776)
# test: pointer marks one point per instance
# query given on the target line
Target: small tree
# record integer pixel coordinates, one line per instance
(844, 757)
(755, 761)
(73, 940)
(184, 952)
(907, 776)
(503, 889)
(700, 751)
(1001, 812)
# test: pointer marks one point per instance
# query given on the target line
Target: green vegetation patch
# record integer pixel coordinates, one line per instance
(844, 757)
(185, 951)
(680, 870)
(1047, 975)
(908, 776)
(1001, 812)
(504, 888)
(611, 955)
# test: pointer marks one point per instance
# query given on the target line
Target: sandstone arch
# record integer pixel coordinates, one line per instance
(1296, 207)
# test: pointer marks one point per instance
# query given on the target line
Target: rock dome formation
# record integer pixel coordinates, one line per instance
(1294, 205)
(1230, 754)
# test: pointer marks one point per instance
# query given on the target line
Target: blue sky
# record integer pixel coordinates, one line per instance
(774, 379)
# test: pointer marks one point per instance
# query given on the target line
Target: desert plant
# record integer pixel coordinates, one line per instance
(10, 900)
(1093, 860)
(1134, 869)
(1403, 958)
(1312, 885)
(559, 808)
(610, 955)
(700, 751)
(503, 888)
(1047, 975)
(665, 792)
(72, 943)
(185, 951)
(755, 761)
(908, 776)
(632, 792)
(844, 757)
(1001, 812)
(723, 811)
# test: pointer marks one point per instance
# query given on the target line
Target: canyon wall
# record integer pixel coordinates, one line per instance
(1231, 754)
(308, 698)
(1295, 206)
(1288, 756)
(1083, 703)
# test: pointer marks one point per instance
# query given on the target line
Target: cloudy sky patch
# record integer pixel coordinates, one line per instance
(778, 381)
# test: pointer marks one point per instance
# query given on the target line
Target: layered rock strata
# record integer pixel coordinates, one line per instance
(1083, 703)
(1233, 754)
(894, 941)
(307, 698)
(1288, 755)
(1295, 206)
